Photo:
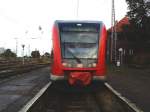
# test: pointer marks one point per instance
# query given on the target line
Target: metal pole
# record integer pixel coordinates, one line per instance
(113, 35)
(77, 11)
(115, 41)
(16, 46)
(29, 50)
(23, 53)
(112, 30)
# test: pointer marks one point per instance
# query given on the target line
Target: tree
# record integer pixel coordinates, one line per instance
(130, 33)
(139, 16)
(35, 54)
(8, 54)
(47, 55)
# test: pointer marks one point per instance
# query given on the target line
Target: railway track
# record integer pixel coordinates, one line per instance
(11, 70)
(61, 97)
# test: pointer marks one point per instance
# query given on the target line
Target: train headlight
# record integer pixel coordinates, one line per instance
(80, 65)
(90, 65)
(69, 65)
(94, 64)
(64, 64)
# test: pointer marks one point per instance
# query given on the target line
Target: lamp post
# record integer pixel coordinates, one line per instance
(120, 54)
(16, 45)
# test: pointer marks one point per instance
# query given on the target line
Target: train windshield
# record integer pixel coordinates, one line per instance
(79, 41)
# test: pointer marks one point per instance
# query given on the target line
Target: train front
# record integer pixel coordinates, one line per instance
(79, 52)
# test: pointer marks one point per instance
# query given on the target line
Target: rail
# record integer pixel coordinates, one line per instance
(61, 97)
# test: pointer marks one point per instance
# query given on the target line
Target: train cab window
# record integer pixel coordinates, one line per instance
(79, 40)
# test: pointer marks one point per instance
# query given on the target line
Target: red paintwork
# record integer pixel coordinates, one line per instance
(101, 67)
(85, 77)
(56, 67)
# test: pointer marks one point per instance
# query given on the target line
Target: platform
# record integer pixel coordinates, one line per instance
(132, 83)
(17, 91)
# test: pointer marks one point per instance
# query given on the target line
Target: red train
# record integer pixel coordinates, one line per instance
(78, 51)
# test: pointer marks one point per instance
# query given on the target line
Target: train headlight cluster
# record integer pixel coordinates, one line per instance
(66, 64)
(79, 65)
(69, 65)
(92, 65)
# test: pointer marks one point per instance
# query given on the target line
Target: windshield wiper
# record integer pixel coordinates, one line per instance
(76, 58)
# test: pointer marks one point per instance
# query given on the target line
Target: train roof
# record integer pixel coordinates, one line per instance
(77, 21)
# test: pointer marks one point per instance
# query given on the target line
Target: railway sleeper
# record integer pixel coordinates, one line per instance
(101, 100)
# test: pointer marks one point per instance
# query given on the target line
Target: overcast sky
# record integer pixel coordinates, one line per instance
(21, 19)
